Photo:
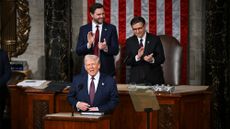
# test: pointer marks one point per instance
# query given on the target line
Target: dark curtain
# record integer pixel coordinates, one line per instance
(217, 61)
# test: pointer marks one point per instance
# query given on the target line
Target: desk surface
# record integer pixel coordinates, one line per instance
(178, 89)
(76, 116)
(123, 88)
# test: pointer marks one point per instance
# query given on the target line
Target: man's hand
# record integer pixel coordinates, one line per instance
(149, 58)
(90, 38)
(103, 46)
(140, 52)
(83, 106)
(93, 109)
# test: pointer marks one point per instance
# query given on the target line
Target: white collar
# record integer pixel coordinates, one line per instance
(95, 24)
(96, 77)
(143, 38)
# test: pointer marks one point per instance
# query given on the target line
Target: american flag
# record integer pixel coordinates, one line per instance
(168, 17)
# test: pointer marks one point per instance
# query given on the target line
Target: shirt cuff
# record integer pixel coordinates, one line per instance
(153, 61)
(77, 106)
(106, 49)
(137, 59)
(88, 46)
(97, 108)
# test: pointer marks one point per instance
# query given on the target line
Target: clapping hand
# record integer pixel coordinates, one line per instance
(149, 58)
(103, 45)
(140, 52)
(90, 38)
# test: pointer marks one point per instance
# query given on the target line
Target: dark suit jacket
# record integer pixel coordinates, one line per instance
(142, 72)
(109, 32)
(106, 96)
(5, 72)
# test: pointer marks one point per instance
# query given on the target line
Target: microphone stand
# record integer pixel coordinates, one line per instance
(72, 113)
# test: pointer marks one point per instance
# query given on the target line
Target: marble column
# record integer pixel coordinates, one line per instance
(58, 40)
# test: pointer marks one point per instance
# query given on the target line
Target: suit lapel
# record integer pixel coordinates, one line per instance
(99, 88)
(136, 43)
(104, 31)
(85, 82)
(89, 27)
(147, 42)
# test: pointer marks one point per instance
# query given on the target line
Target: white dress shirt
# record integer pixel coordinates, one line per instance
(96, 80)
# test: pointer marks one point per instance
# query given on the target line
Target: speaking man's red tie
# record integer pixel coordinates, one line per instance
(92, 91)
(95, 49)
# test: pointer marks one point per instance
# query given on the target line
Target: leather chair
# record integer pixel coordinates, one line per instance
(172, 64)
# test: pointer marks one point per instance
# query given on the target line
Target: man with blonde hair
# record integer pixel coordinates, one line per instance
(93, 91)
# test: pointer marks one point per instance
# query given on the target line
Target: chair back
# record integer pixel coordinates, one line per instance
(172, 64)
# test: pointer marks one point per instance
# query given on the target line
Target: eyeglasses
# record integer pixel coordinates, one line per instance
(138, 28)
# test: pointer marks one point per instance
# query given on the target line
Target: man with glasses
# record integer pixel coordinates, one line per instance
(145, 55)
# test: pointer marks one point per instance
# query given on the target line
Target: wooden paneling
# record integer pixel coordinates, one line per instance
(18, 108)
(61, 104)
(39, 105)
(190, 110)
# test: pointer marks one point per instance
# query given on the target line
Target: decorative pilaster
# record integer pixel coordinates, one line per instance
(58, 40)
(217, 61)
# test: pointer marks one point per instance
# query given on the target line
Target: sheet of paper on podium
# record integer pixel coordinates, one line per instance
(142, 98)
(37, 84)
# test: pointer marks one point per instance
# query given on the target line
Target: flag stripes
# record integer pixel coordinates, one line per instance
(168, 17)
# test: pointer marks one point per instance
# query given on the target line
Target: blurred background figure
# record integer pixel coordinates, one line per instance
(5, 73)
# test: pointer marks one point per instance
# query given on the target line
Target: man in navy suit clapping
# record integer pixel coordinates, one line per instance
(99, 38)
(93, 91)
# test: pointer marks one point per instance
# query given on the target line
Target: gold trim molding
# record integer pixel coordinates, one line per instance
(23, 27)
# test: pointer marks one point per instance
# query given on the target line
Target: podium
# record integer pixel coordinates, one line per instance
(67, 121)
(143, 99)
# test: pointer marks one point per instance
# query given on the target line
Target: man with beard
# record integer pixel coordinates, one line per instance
(99, 38)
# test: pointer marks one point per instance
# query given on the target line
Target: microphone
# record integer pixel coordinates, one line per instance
(80, 87)
(72, 114)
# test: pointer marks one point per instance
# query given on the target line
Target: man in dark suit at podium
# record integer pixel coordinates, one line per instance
(145, 55)
(5, 73)
(93, 91)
